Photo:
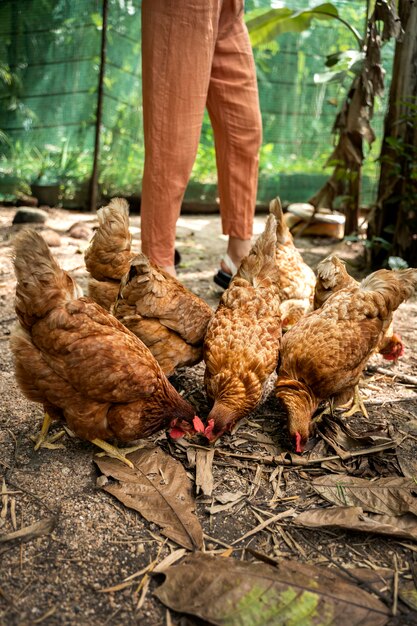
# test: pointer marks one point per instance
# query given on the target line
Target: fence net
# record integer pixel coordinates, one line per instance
(49, 76)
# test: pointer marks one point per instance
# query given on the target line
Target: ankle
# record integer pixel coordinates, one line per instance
(237, 249)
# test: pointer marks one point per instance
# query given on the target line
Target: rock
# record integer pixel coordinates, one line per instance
(25, 200)
(27, 215)
(52, 238)
(79, 230)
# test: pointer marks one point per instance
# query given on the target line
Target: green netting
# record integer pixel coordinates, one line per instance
(49, 75)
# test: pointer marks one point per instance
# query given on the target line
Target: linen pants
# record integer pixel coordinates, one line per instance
(197, 53)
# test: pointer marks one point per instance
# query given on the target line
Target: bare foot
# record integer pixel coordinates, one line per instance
(237, 249)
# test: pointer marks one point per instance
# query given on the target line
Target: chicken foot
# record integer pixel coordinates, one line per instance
(115, 452)
(358, 405)
(43, 441)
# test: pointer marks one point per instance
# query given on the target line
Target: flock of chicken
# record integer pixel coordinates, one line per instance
(102, 362)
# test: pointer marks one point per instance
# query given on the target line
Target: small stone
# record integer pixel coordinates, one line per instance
(101, 481)
(27, 215)
(80, 231)
(25, 200)
(52, 238)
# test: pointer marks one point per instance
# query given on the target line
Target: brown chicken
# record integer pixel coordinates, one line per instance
(241, 346)
(324, 354)
(296, 278)
(165, 315)
(81, 363)
(154, 305)
(332, 276)
(109, 254)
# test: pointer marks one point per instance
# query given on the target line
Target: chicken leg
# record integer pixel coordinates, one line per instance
(115, 452)
(43, 441)
(358, 405)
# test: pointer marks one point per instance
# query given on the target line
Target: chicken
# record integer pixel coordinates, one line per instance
(296, 278)
(109, 254)
(81, 363)
(164, 314)
(154, 305)
(241, 346)
(332, 276)
(324, 354)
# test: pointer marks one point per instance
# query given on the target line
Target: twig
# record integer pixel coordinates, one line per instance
(264, 524)
(218, 541)
(395, 587)
(401, 378)
(302, 461)
(43, 617)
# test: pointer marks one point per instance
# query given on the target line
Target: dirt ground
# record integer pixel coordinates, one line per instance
(96, 542)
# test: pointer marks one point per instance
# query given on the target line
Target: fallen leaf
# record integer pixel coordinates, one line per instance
(390, 496)
(340, 436)
(227, 592)
(354, 518)
(406, 459)
(219, 508)
(204, 474)
(44, 527)
(159, 489)
(408, 594)
(229, 496)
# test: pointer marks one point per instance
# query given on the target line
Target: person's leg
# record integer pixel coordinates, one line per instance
(178, 38)
(233, 105)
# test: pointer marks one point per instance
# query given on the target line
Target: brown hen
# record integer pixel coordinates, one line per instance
(81, 363)
(164, 314)
(296, 278)
(109, 254)
(332, 276)
(324, 354)
(242, 341)
(154, 305)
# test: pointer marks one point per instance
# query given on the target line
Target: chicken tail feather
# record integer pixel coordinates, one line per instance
(395, 286)
(108, 255)
(282, 231)
(41, 283)
(260, 261)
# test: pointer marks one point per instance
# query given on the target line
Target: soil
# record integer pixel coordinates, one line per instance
(96, 543)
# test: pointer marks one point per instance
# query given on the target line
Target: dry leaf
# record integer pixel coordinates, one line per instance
(408, 594)
(44, 527)
(407, 463)
(229, 496)
(355, 519)
(340, 436)
(227, 592)
(390, 496)
(159, 489)
(204, 473)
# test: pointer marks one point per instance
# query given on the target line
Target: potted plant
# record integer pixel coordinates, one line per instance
(58, 167)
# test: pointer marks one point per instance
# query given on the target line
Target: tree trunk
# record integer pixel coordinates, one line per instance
(393, 223)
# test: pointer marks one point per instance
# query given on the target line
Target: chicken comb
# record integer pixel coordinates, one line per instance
(298, 446)
(198, 424)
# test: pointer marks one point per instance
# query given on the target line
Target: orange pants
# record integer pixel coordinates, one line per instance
(196, 53)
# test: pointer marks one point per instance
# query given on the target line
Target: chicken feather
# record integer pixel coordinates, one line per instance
(241, 346)
(164, 314)
(332, 276)
(324, 354)
(296, 279)
(81, 363)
